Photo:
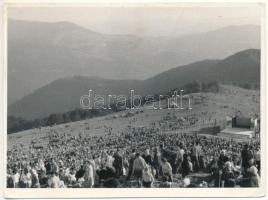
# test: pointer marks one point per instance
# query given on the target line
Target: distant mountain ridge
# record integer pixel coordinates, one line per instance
(64, 94)
(41, 52)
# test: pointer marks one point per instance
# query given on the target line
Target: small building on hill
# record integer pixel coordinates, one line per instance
(240, 127)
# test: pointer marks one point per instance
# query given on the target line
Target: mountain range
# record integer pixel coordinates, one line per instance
(42, 52)
(64, 94)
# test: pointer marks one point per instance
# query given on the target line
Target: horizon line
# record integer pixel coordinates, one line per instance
(126, 34)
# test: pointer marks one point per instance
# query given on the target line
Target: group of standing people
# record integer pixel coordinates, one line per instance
(143, 159)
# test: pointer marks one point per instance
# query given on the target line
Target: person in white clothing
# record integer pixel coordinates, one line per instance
(147, 178)
(167, 170)
(54, 181)
(15, 178)
(89, 174)
(139, 165)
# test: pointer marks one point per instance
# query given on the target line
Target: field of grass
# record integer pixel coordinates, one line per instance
(205, 106)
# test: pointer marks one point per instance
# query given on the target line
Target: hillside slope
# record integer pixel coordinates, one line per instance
(64, 94)
(41, 52)
(227, 102)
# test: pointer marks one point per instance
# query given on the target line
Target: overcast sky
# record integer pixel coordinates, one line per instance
(153, 21)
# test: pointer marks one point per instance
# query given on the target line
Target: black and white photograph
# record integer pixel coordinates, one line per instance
(134, 97)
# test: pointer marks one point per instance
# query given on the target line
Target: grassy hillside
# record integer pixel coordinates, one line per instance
(64, 94)
(205, 106)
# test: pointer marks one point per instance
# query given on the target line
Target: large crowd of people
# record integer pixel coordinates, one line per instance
(140, 157)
